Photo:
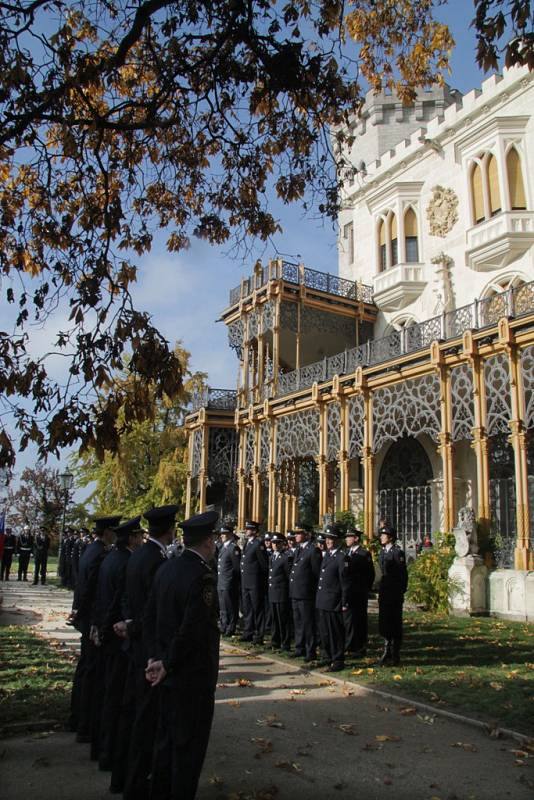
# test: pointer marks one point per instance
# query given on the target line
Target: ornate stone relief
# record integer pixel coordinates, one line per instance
(498, 401)
(463, 409)
(297, 435)
(406, 409)
(442, 211)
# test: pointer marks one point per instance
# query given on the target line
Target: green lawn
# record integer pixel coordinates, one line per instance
(481, 667)
(35, 678)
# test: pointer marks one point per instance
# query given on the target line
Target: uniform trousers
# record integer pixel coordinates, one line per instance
(228, 609)
(99, 678)
(125, 725)
(253, 614)
(142, 739)
(184, 724)
(40, 568)
(356, 622)
(7, 559)
(24, 560)
(280, 632)
(390, 619)
(332, 633)
(79, 676)
(115, 671)
(304, 624)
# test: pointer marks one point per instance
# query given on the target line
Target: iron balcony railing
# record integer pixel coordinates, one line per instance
(481, 314)
(217, 399)
(300, 275)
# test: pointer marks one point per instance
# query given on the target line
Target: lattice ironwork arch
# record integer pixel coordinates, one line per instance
(408, 408)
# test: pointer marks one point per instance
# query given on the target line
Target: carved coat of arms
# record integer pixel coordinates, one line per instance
(442, 211)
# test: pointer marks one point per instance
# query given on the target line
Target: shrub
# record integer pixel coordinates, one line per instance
(429, 584)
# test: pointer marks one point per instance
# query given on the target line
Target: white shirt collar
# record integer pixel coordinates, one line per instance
(159, 544)
(198, 554)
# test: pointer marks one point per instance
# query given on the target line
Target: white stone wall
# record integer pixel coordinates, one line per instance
(511, 594)
(441, 161)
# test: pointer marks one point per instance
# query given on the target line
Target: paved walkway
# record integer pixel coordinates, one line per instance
(281, 732)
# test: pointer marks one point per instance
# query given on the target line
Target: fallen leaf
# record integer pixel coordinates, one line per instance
(244, 682)
(264, 745)
(347, 728)
(497, 686)
(298, 691)
(397, 677)
(427, 718)
(215, 780)
(469, 748)
(408, 710)
(356, 672)
(384, 737)
(271, 720)
(234, 703)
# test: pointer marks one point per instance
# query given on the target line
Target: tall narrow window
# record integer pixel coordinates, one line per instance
(493, 183)
(410, 236)
(394, 240)
(515, 181)
(477, 194)
(348, 235)
(382, 242)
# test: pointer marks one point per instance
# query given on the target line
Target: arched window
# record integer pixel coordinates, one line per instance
(515, 180)
(477, 194)
(394, 240)
(493, 186)
(382, 243)
(410, 236)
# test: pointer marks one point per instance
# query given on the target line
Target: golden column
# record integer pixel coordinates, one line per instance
(368, 459)
(241, 481)
(203, 473)
(480, 438)
(343, 445)
(523, 557)
(321, 458)
(271, 508)
(445, 437)
(256, 472)
(276, 344)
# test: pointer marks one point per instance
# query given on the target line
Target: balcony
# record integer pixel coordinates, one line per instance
(216, 399)
(398, 286)
(498, 241)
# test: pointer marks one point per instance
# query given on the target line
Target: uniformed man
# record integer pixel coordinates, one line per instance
(83, 687)
(138, 727)
(393, 585)
(10, 545)
(321, 543)
(302, 588)
(107, 612)
(228, 576)
(291, 544)
(183, 640)
(361, 576)
(331, 599)
(254, 571)
(278, 593)
(41, 546)
(24, 550)
(78, 548)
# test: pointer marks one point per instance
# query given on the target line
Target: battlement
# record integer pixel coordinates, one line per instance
(451, 118)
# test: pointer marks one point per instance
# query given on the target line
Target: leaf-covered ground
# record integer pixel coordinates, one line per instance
(35, 678)
(481, 667)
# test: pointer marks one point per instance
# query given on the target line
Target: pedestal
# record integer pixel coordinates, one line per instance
(468, 577)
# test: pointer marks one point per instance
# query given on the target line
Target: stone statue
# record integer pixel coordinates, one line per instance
(466, 533)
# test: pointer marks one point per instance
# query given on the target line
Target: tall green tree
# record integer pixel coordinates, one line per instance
(149, 467)
(37, 501)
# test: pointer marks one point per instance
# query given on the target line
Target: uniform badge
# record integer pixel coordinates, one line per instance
(236, 551)
(208, 595)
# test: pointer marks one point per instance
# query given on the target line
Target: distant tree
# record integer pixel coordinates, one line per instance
(37, 501)
(150, 466)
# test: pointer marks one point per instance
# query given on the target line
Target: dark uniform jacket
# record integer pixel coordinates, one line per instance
(361, 571)
(84, 595)
(394, 581)
(279, 570)
(142, 567)
(333, 584)
(107, 608)
(41, 544)
(181, 623)
(228, 566)
(25, 543)
(254, 565)
(305, 572)
(10, 543)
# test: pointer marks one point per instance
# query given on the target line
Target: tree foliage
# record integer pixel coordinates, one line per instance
(118, 119)
(149, 467)
(504, 26)
(38, 501)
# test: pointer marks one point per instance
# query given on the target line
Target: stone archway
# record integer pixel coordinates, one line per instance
(404, 491)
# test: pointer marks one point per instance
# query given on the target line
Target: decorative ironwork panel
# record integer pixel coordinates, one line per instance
(523, 299)
(311, 373)
(236, 336)
(315, 321)
(250, 437)
(290, 272)
(356, 357)
(498, 400)
(253, 324)
(458, 321)
(463, 407)
(406, 409)
(268, 316)
(424, 333)
(288, 382)
(333, 431)
(265, 446)
(222, 453)
(235, 295)
(356, 423)
(385, 348)
(409, 510)
(297, 435)
(492, 309)
(289, 316)
(527, 368)
(336, 365)
(196, 459)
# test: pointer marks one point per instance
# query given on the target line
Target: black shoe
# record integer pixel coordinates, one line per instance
(335, 667)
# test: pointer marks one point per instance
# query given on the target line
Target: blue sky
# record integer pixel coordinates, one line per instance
(185, 293)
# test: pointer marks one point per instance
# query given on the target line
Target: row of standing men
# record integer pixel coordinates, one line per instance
(24, 546)
(315, 592)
